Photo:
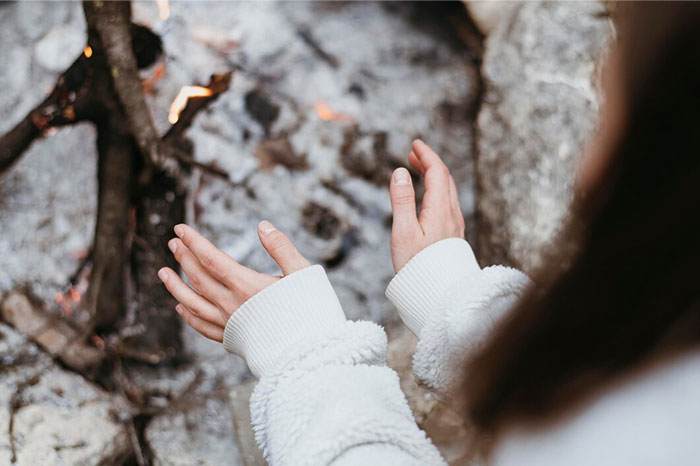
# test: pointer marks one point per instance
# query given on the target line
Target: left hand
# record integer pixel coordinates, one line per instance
(220, 285)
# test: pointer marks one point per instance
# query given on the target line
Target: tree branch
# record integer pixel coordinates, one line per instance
(112, 21)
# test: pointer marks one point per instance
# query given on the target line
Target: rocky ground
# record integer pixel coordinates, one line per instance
(324, 103)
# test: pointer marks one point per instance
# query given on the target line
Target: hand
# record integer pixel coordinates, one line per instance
(221, 285)
(440, 215)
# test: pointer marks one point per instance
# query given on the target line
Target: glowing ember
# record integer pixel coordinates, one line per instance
(98, 342)
(87, 51)
(59, 297)
(325, 113)
(181, 100)
(74, 295)
(163, 9)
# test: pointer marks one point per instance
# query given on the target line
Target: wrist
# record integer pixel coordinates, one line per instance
(421, 284)
(282, 315)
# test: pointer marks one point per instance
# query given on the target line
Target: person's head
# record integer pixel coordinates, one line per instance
(629, 293)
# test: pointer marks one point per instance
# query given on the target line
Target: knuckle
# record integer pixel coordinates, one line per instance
(208, 260)
(195, 311)
(277, 242)
(403, 198)
(195, 280)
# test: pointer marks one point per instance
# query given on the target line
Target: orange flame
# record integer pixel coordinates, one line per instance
(74, 295)
(163, 9)
(325, 113)
(87, 51)
(183, 96)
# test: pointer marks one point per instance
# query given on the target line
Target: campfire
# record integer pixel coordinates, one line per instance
(217, 115)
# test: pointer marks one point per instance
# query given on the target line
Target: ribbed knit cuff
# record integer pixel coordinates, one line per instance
(298, 305)
(424, 280)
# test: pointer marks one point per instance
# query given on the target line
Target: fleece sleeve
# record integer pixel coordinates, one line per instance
(451, 304)
(325, 395)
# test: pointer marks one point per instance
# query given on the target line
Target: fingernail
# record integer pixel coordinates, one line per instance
(178, 309)
(266, 227)
(172, 245)
(401, 177)
(179, 230)
(163, 275)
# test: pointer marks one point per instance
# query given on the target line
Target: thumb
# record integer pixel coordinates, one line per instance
(281, 248)
(403, 203)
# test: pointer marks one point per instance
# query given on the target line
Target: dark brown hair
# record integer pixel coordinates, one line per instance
(630, 292)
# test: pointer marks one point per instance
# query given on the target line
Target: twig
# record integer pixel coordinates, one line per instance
(131, 426)
(65, 105)
(305, 34)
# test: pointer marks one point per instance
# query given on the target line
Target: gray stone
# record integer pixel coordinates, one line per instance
(245, 437)
(441, 422)
(51, 416)
(196, 431)
(539, 107)
(196, 425)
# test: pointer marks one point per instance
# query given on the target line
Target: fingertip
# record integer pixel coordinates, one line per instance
(179, 229)
(265, 227)
(415, 162)
(401, 177)
(173, 244)
(418, 145)
(164, 274)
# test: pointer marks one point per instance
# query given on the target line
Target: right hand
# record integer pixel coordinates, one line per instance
(440, 214)
(220, 285)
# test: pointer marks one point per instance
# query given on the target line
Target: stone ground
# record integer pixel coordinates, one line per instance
(383, 77)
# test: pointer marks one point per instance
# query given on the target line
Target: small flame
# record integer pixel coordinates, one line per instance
(98, 341)
(59, 297)
(74, 295)
(163, 9)
(325, 113)
(183, 96)
(87, 51)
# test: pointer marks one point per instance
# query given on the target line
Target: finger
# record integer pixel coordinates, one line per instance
(198, 305)
(416, 163)
(456, 209)
(437, 178)
(281, 248)
(403, 203)
(218, 263)
(209, 330)
(200, 279)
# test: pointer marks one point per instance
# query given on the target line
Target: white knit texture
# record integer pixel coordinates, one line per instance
(280, 316)
(423, 281)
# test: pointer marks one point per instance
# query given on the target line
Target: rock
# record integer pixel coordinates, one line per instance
(539, 107)
(55, 417)
(444, 425)
(198, 430)
(52, 334)
(245, 437)
(196, 426)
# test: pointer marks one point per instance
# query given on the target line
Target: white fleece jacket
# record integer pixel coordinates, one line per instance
(326, 396)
